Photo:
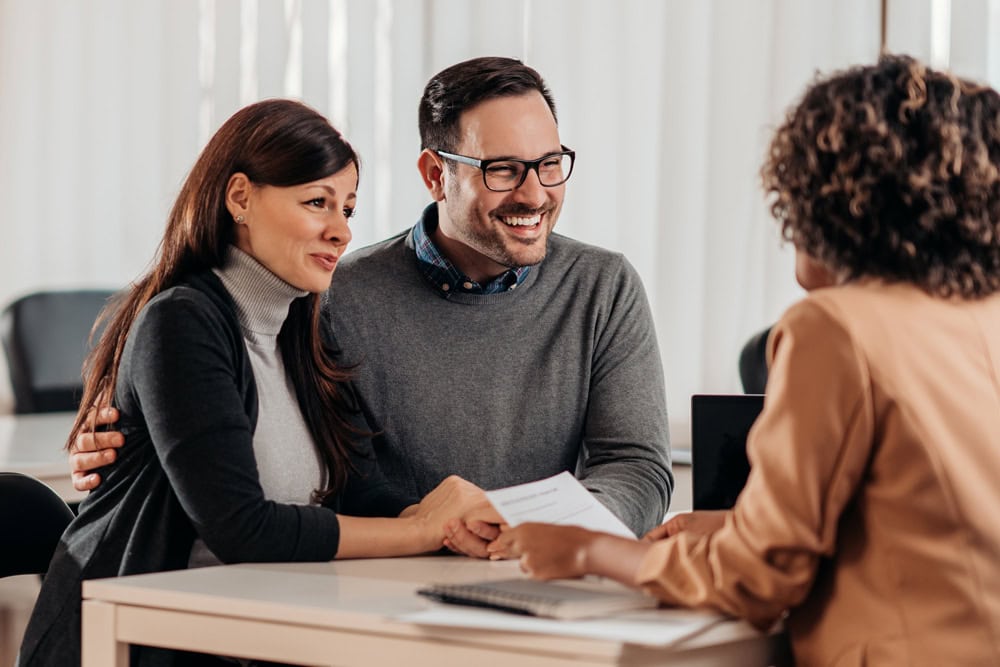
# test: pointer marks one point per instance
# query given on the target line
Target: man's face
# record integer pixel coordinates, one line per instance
(488, 232)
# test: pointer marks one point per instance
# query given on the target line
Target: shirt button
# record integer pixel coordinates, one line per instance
(467, 285)
(445, 287)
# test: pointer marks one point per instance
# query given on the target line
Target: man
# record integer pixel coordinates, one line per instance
(486, 346)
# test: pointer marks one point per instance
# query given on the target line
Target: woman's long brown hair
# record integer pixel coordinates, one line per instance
(274, 142)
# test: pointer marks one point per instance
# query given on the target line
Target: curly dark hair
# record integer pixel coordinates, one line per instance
(891, 171)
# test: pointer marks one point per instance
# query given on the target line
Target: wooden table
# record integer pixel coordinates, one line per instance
(341, 613)
(34, 445)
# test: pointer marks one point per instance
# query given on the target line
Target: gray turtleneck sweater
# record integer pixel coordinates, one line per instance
(288, 462)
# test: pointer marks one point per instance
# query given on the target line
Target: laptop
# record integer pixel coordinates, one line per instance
(719, 466)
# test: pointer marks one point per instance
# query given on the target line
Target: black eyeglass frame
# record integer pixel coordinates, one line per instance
(528, 166)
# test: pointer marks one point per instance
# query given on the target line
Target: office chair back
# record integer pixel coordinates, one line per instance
(753, 363)
(45, 337)
(32, 519)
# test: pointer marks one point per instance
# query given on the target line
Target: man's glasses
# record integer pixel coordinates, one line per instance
(508, 174)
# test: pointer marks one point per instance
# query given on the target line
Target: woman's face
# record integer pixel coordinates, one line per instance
(810, 273)
(297, 232)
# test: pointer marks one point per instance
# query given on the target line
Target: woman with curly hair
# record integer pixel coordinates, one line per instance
(869, 514)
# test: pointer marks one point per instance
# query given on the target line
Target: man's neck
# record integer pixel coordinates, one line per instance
(473, 264)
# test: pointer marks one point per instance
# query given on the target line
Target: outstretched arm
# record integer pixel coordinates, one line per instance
(420, 528)
(809, 450)
(567, 552)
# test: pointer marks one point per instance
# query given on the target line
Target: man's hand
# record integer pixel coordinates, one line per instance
(450, 513)
(701, 522)
(92, 450)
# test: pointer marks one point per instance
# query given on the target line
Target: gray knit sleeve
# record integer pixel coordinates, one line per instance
(626, 459)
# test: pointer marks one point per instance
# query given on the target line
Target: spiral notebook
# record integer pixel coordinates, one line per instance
(567, 600)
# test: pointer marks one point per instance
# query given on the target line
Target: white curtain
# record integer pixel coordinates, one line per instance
(104, 105)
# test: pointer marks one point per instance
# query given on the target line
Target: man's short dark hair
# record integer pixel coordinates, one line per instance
(463, 86)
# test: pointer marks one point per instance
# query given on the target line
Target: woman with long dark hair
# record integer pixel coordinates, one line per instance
(244, 442)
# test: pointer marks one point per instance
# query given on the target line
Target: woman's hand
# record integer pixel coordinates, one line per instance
(546, 551)
(418, 528)
(553, 552)
(701, 522)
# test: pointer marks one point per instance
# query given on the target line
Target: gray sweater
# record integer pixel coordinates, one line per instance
(561, 373)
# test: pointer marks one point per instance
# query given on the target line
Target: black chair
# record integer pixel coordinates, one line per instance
(32, 519)
(753, 363)
(45, 337)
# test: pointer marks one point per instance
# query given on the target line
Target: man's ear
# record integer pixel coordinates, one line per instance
(238, 194)
(432, 170)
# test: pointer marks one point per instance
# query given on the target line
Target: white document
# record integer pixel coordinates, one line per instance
(652, 627)
(560, 500)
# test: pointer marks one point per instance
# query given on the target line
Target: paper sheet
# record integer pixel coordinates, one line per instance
(651, 627)
(560, 500)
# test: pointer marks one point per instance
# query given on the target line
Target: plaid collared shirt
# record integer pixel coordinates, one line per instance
(442, 273)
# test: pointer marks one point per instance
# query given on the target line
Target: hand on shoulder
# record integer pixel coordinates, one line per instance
(92, 449)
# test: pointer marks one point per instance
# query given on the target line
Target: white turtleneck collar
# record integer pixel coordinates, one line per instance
(262, 298)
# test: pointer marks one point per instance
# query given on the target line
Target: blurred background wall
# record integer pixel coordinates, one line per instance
(105, 104)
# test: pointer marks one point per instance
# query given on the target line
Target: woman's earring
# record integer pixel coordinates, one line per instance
(239, 220)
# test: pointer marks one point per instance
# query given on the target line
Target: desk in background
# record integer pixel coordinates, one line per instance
(682, 497)
(33, 445)
(340, 613)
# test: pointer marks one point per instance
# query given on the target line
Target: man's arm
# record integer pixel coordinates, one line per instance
(626, 461)
(94, 449)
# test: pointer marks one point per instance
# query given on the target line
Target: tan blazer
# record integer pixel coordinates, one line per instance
(872, 510)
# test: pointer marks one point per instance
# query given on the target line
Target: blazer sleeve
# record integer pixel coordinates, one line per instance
(184, 373)
(808, 451)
